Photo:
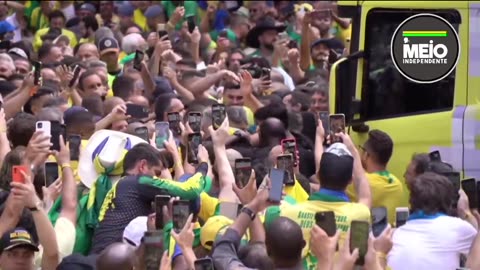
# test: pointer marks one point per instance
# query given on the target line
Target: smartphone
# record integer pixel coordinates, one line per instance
(204, 264)
(43, 126)
(326, 221)
(379, 220)
(57, 129)
(160, 202)
(435, 156)
(74, 142)
(153, 241)
(337, 125)
(292, 44)
(195, 121)
(161, 30)
(194, 140)
(359, 231)
(285, 162)
(276, 180)
(174, 120)
(191, 23)
(76, 73)
(229, 210)
(142, 132)
(289, 146)
(37, 66)
(401, 216)
(51, 173)
(162, 134)
(137, 61)
(266, 72)
(454, 178)
(17, 176)
(136, 111)
(324, 117)
(218, 115)
(243, 171)
(180, 213)
(470, 187)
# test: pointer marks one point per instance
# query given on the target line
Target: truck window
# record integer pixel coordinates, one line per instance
(386, 93)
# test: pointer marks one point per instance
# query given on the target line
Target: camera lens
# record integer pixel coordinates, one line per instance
(40, 125)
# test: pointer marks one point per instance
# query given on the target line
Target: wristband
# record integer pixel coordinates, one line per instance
(381, 255)
(66, 165)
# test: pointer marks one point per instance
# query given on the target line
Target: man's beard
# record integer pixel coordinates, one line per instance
(268, 47)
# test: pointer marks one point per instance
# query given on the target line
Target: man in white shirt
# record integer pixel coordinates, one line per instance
(431, 238)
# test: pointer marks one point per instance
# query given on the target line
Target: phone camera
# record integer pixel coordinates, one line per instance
(40, 125)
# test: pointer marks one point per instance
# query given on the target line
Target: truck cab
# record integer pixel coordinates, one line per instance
(420, 118)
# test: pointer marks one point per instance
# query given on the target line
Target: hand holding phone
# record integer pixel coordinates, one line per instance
(191, 23)
(289, 146)
(379, 220)
(285, 162)
(162, 134)
(337, 125)
(51, 173)
(326, 221)
(153, 241)
(194, 141)
(160, 202)
(276, 182)
(243, 171)
(469, 186)
(194, 121)
(359, 231)
(137, 61)
(180, 213)
(74, 142)
(17, 175)
(136, 111)
(218, 115)
(401, 216)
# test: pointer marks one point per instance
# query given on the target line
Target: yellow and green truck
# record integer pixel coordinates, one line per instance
(372, 94)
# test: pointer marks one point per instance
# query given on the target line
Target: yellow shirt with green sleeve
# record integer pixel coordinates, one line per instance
(304, 214)
(387, 191)
(37, 39)
(140, 20)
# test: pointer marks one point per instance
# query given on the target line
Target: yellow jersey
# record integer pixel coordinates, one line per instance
(386, 190)
(140, 20)
(37, 39)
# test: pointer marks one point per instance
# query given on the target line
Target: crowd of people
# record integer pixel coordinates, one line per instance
(150, 135)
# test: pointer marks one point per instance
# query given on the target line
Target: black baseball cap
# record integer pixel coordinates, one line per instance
(18, 237)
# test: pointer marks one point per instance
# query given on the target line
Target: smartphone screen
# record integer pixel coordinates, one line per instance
(74, 142)
(142, 132)
(379, 220)
(153, 241)
(195, 120)
(162, 134)
(324, 117)
(243, 171)
(160, 202)
(285, 162)
(76, 73)
(174, 120)
(266, 72)
(136, 111)
(37, 66)
(337, 125)
(180, 213)
(359, 231)
(435, 156)
(470, 188)
(229, 210)
(51, 173)
(161, 30)
(137, 61)
(191, 23)
(401, 216)
(57, 129)
(218, 115)
(289, 146)
(276, 180)
(326, 221)
(17, 176)
(194, 140)
(204, 264)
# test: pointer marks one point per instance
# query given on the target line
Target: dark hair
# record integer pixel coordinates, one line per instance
(43, 91)
(380, 146)
(421, 161)
(20, 129)
(55, 102)
(431, 193)
(123, 86)
(86, 74)
(162, 105)
(56, 14)
(269, 130)
(278, 111)
(139, 152)
(94, 104)
(280, 231)
(44, 50)
(90, 22)
(231, 86)
(302, 99)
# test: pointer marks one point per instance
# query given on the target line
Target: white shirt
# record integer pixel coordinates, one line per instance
(17, 33)
(431, 244)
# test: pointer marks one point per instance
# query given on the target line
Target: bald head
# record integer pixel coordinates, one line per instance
(232, 155)
(118, 256)
(87, 52)
(284, 230)
(272, 131)
(111, 103)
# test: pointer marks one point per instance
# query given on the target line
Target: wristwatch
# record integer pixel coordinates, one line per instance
(249, 212)
(37, 206)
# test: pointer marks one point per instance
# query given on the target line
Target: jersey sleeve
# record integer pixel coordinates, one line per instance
(188, 190)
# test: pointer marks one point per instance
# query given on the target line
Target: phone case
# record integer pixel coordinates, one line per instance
(17, 175)
(162, 134)
(326, 221)
(243, 171)
(43, 126)
(194, 121)
(285, 162)
(359, 231)
(218, 115)
(276, 180)
(194, 140)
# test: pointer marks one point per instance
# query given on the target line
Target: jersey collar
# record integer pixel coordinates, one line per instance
(329, 195)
